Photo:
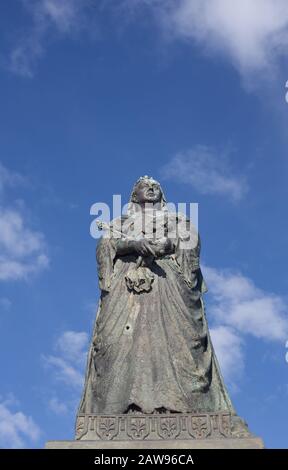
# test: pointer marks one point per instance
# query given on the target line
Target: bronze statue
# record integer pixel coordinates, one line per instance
(151, 350)
(152, 378)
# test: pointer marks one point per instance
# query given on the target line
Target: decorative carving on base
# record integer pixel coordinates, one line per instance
(199, 427)
(139, 427)
(107, 427)
(168, 427)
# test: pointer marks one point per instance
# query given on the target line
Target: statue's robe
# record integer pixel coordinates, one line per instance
(152, 350)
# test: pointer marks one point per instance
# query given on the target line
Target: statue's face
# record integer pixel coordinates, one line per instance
(148, 191)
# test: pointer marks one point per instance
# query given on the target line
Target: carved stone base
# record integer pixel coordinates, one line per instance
(160, 431)
(160, 427)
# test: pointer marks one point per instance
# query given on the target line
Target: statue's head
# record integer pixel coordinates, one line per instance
(147, 190)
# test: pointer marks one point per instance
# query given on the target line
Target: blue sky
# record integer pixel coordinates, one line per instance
(95, 94)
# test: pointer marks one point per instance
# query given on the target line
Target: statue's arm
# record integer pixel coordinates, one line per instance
(124, 247)
(139, 247)
(165, 246)
(105, 256)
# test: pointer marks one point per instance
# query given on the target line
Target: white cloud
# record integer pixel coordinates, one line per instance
(13, 270)
(253, 34)
(238, 303)
(25, 55)
(207, 171)
(15, 238)
(62, 13)
(9, 178)
(68, 365)
(49, 17)
(64, 371)
(237, 308)
(16, 428)
(72, 345)
(57, 406)
(22, 250)
(228, 347)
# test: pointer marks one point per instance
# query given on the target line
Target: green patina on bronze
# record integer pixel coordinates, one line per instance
(151, 350)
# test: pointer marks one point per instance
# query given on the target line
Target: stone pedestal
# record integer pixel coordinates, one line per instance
(241, 443)
(160, 431)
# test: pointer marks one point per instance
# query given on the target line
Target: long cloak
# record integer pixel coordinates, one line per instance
(152, 350)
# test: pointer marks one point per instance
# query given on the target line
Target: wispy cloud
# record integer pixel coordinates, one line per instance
(238, 308)
(240, 304)
(71, 345)
(64, 371)
(57, 406)
(49, 18)
(16, 428)
(207, 171)
(229, 348)
(22, 249)
(9, 178)
(252, 34)
(69, 359)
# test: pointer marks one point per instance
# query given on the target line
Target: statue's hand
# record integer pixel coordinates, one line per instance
(143, 247)
(163, 247)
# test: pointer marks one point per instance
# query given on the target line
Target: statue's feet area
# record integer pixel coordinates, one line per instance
(135, 409)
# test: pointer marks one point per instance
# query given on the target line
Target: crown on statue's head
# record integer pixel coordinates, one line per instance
(146, 178)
